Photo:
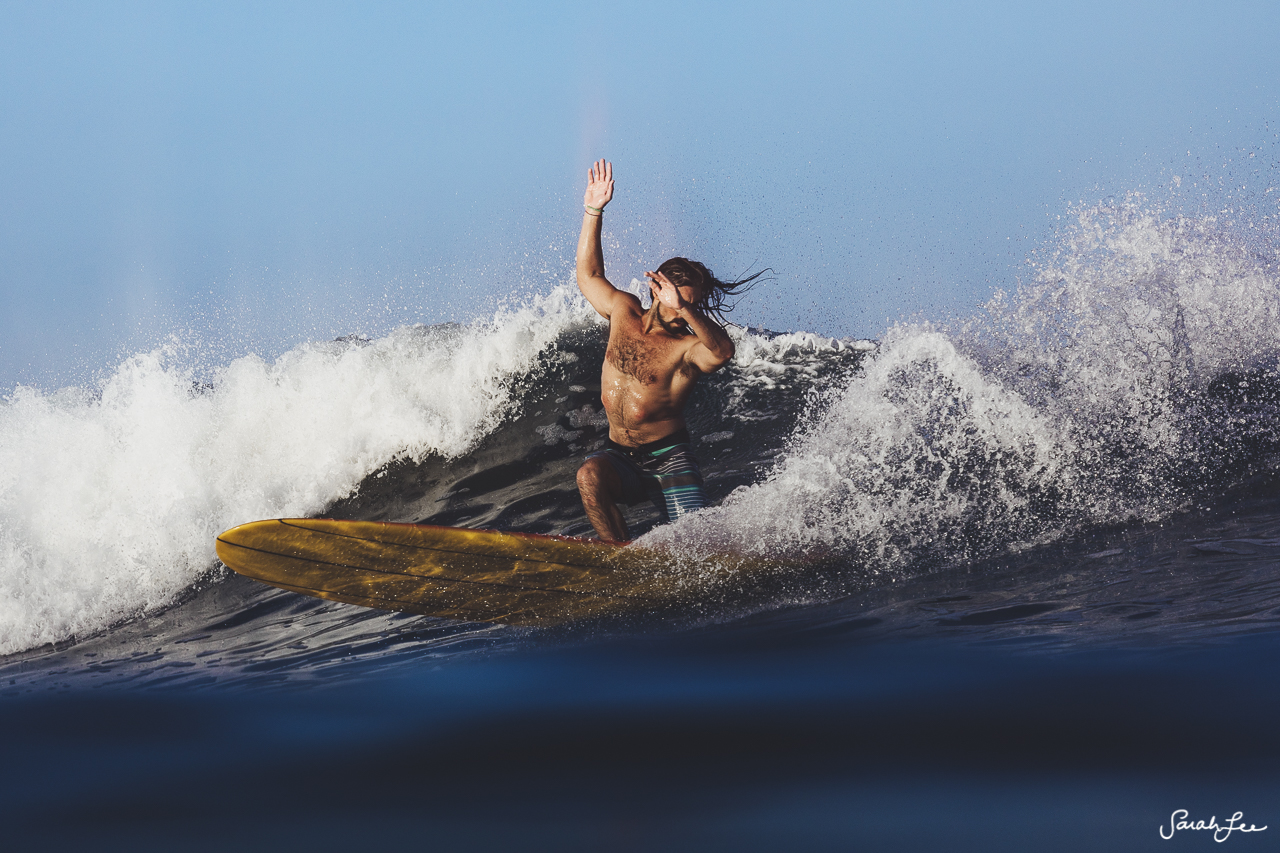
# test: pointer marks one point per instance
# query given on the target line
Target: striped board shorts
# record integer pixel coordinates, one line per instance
(662, 471)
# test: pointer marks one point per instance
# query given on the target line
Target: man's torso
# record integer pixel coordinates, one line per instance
(646, 379)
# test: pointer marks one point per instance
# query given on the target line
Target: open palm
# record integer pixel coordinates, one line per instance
(599, 185)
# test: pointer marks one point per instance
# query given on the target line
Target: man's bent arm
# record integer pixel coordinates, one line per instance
(714, 348)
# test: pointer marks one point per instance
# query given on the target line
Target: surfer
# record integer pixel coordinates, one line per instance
(652, 362)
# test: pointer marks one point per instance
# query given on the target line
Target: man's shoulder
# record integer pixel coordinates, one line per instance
(628, 303)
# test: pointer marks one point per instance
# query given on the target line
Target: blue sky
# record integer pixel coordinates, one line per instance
(252, 175)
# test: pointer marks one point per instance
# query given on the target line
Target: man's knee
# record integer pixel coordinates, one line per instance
(589, 476)
(596, 477)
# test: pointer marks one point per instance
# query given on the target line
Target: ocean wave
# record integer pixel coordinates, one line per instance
(1132, 373)
(110, 498)
(1104, 390)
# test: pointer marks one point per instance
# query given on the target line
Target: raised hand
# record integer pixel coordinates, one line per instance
(599, 185)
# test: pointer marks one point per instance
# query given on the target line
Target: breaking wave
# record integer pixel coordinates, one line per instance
(1131, 375)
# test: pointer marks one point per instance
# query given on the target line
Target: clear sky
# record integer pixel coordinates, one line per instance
(250, 175)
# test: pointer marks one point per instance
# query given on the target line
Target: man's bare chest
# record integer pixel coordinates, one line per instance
(650, 359)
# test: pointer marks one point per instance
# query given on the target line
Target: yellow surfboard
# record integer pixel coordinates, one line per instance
(474, 575)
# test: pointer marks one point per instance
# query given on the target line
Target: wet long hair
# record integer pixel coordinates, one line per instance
(716, 294)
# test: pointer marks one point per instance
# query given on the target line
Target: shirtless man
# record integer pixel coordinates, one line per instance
(654, 358)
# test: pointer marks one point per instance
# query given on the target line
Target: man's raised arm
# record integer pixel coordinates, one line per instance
(591, 281)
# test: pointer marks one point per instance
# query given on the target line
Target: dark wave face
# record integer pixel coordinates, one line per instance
(521, 476)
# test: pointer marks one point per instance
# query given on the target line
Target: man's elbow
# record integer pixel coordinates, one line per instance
(719, 357)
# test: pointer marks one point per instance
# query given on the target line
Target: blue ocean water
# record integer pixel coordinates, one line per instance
(1038, 605)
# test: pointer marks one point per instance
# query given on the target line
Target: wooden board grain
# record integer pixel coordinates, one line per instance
(475, 575)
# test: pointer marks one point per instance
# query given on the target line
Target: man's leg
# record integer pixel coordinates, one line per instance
(601, 489)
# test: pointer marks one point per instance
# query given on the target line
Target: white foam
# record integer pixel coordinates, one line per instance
(1119, 331)
(766, 363)
(1064, 404)
(110, 501)
(877, 471)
